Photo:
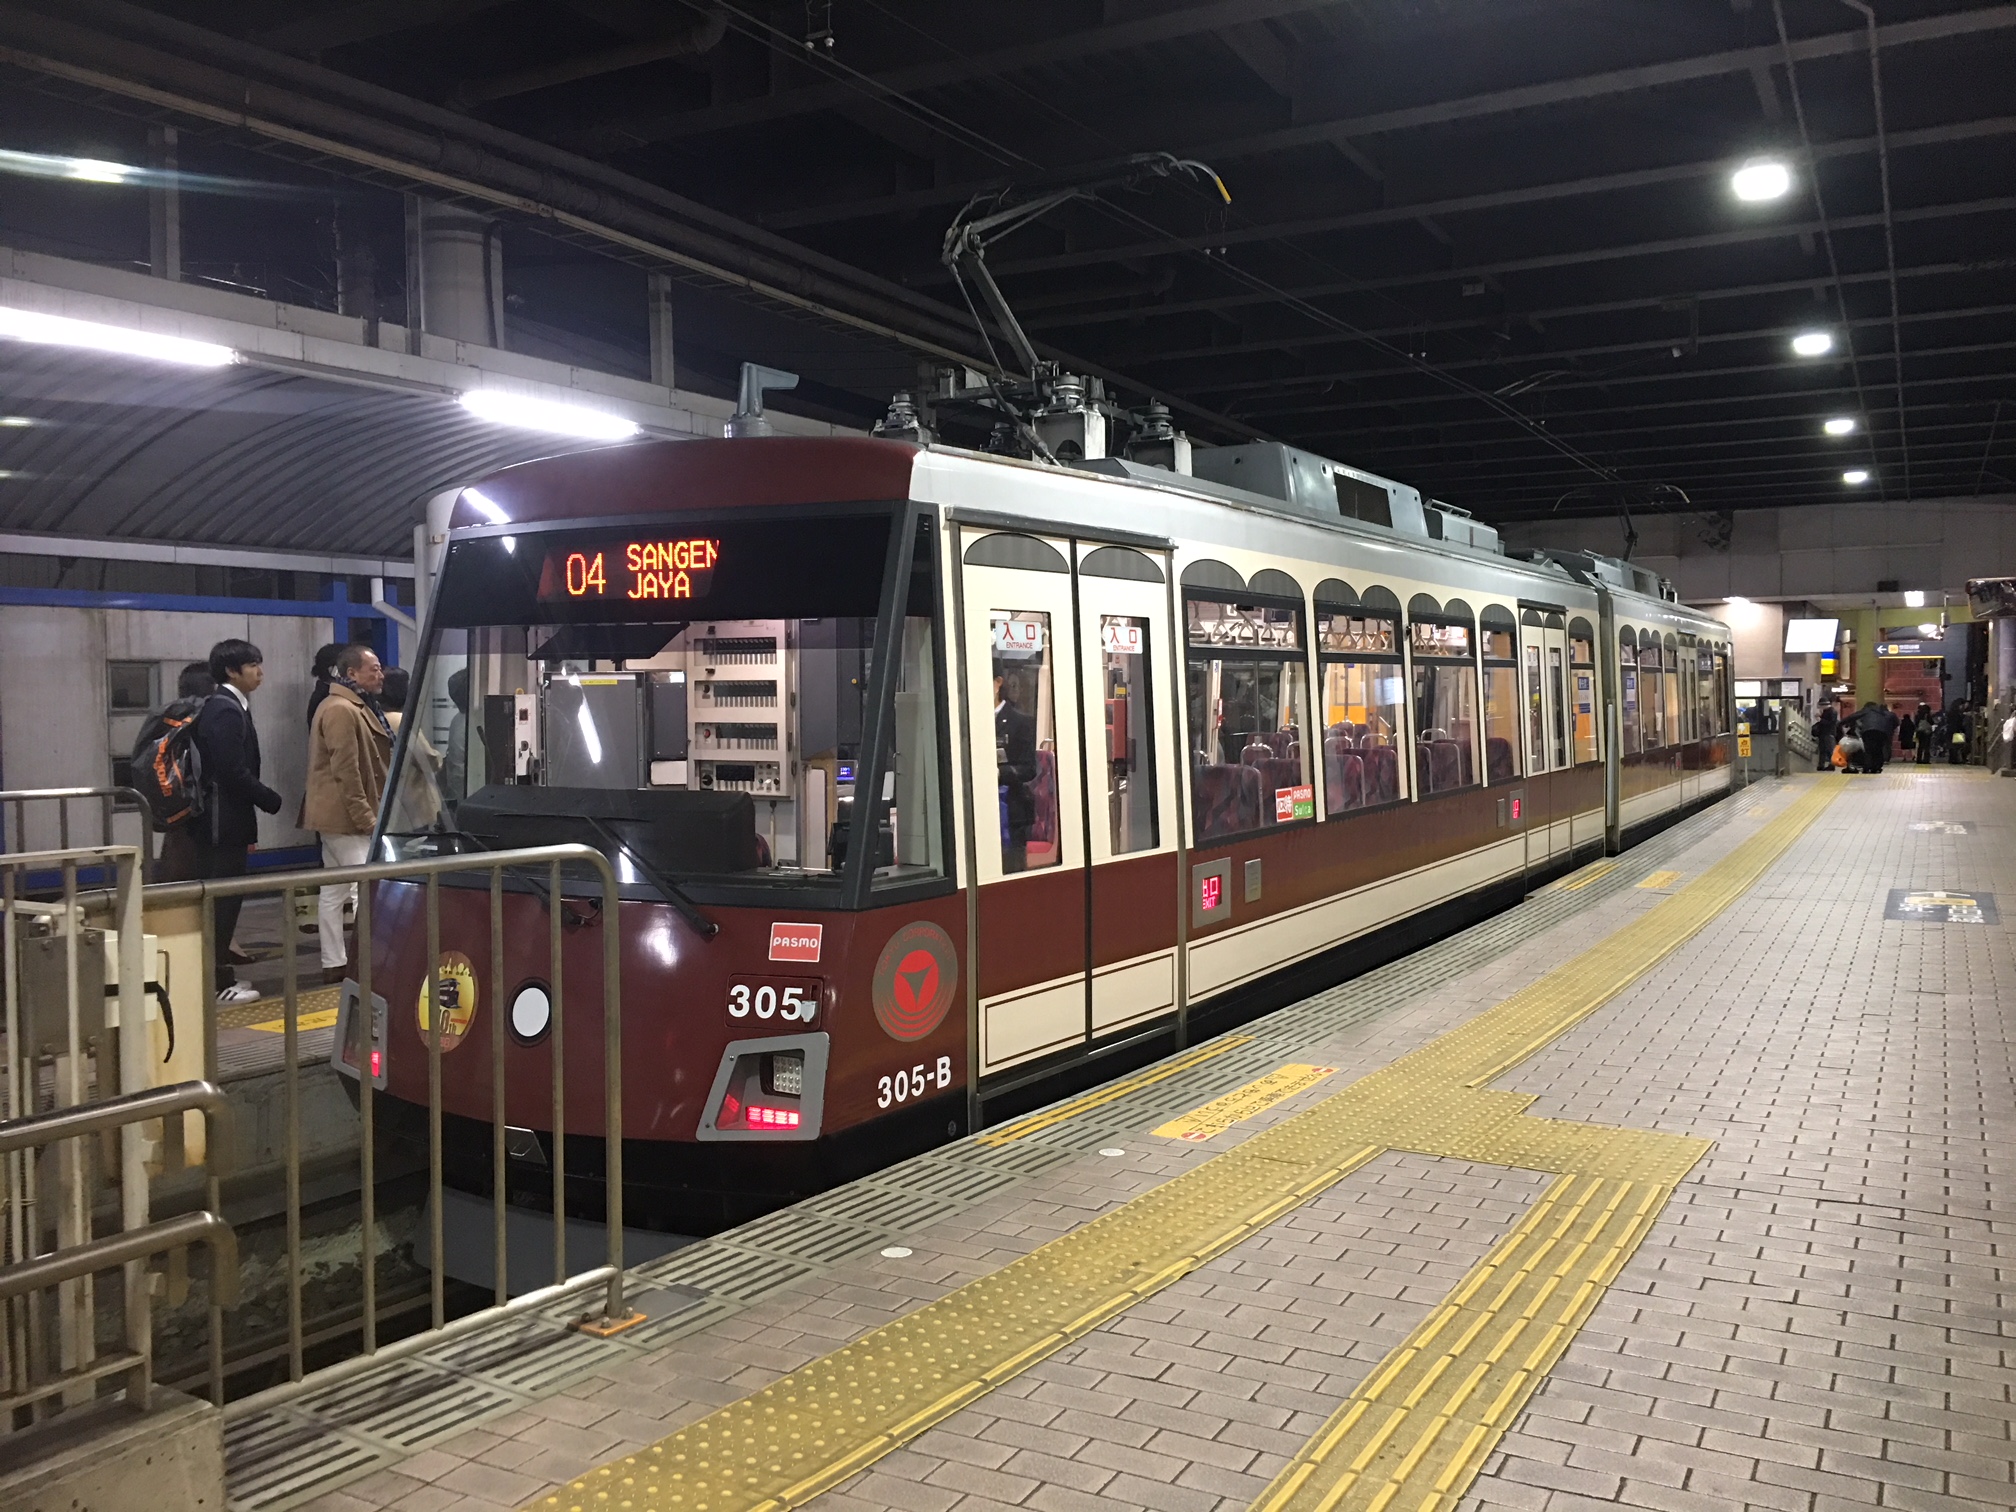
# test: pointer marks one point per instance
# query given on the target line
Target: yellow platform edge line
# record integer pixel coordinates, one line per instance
(820, 1425)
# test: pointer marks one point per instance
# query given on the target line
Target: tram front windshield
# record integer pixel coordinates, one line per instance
(694, 698)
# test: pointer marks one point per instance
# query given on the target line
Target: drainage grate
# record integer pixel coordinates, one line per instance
(728, 1271)
(531, 1358)
(809, 1236)
(956, 1181)
(406, 1403)
(883, 1207)
(272, 1461)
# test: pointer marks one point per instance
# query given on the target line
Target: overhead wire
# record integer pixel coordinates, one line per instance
(1225, 267)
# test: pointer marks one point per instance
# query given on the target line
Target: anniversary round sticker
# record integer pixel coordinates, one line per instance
(457, 984)
(916, 976)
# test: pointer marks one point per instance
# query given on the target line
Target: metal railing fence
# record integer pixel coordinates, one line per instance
(74, 1007)
(112, 804)
(429, 872)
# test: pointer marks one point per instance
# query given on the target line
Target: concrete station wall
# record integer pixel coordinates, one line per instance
(1813, 552)
(55, 724)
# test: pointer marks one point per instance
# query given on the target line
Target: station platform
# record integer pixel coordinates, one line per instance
(1675, 1187)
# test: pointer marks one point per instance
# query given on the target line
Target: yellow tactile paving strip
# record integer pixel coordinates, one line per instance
(1112, 1091)
(1415, 1433)
(269, 1012)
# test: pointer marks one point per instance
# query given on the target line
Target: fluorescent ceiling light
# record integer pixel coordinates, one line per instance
(49, 165)
(1914, 598)
(1761, 179)
(1928, 631)
(487, 506)
(1840, 425)
(60, 330)
(1813, 343)
(1855, 475)
(1735, 601)
(528, 413)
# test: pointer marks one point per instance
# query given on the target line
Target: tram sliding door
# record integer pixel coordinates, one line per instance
(1021, 671)
(1074, 792)
(1543, 671)
(1130, 784)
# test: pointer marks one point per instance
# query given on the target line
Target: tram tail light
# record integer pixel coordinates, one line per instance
(761, 1117)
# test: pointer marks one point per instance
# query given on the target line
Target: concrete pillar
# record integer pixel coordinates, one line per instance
(164, 206)
(454, 274)
(658, 292)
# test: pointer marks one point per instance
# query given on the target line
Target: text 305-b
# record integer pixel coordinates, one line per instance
(913, 1082)
(792, 1001)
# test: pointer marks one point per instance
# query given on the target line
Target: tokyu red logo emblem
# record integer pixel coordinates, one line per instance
(916, 978)
(796, 942)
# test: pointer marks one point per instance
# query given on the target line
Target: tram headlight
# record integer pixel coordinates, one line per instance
(531, 1014)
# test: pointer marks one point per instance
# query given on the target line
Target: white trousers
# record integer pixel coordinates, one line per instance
(338, 850)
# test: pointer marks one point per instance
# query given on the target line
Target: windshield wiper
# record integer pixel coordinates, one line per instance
(667, 889)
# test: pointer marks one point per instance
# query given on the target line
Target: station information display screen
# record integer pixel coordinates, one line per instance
(635, 569)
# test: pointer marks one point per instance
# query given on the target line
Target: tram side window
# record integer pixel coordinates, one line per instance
(1582, 656)
(1536, 716)
(1501, 708)
(1025, 739)
(1558, 675)
(1247, 694)
(1125, 658)
(1445, 708)
(1627, 701)
(1364, 711)
(1722, 699)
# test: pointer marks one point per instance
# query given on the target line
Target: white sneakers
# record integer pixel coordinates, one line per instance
(238, 992)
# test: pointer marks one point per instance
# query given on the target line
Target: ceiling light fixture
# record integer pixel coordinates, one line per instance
(60, 330)
(1914, 598)
(52, 166)
(1736, 602)
(1928, 631)
(1855, 475)
(550, 415)
(1840, 425)
(1813, 343)
(1761, 179)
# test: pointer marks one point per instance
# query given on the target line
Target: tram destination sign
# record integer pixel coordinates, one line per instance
(638, 569)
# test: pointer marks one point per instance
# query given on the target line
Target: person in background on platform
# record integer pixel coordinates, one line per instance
(455, 760)
(1928, 734)
(1957, 730)
(228, 743)
(1876, 724)
(322, 669)
(1826, 731)
(1907, 736)
(349, 752)
(177, 861)
(392, 697)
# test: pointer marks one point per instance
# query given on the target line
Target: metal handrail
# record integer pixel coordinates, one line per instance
(203, 1097)
(108, 798)
(24, 1276)
(206, 894)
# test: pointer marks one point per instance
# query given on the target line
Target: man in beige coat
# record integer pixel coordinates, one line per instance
(349, 751)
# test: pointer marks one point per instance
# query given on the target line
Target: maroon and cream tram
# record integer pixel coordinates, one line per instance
(994, 776)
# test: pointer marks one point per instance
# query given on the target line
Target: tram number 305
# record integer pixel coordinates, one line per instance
(915, 1082)
(789, 1000)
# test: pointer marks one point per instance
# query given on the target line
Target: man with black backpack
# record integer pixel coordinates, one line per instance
(178, 851)
(227, 746)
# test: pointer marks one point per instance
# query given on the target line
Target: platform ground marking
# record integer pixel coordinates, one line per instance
(813, 1429)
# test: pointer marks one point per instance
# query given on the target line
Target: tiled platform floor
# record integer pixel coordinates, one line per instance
(1817, 1321)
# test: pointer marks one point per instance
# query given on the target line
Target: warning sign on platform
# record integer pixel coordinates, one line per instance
(1938, 906)
(1249, 1101)
(1742, 745)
